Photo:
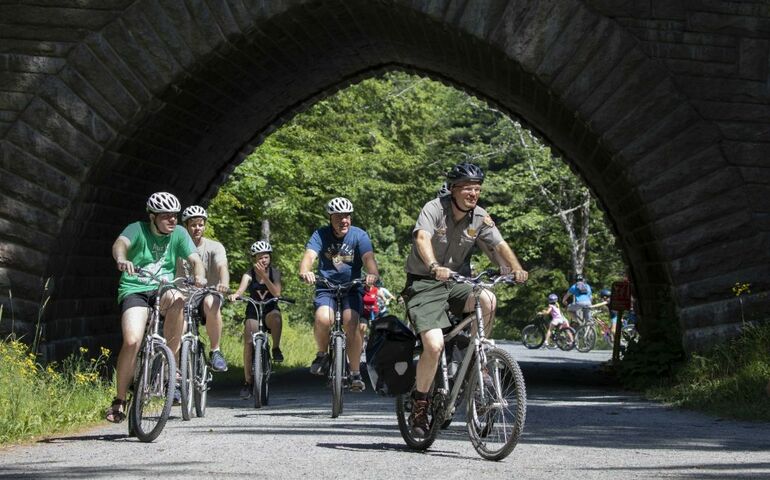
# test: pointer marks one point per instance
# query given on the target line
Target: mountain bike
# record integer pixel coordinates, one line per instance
(338, 371)
(261, 368)
(533, 335)
(195, 372)
(586, 335)
(151, 393)
(489, 377)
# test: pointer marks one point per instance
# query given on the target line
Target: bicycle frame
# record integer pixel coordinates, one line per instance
(477, 353)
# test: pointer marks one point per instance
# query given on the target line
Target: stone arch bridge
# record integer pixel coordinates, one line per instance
(662, 106)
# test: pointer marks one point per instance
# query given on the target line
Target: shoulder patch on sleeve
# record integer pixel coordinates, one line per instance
(488, 221)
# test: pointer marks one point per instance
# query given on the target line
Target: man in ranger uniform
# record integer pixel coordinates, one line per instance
(447, 229)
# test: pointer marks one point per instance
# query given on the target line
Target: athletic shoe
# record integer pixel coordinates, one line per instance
(246, 391)
(418, 419)
(357, 383)
(320, 365)
(218, 362)
(277, 355)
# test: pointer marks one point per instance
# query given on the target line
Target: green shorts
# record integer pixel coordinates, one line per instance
(427, 300)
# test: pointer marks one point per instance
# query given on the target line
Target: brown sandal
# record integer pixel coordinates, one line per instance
(116, 413)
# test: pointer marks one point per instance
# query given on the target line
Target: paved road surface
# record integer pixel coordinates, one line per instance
(577, 427)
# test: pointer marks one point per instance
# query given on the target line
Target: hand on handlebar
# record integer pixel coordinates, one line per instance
(307, 277)
(222, 288)
(126, 266)
(370, 279)
(199, 281)
(442, 273)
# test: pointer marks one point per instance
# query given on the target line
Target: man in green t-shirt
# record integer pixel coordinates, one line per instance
(153, 246)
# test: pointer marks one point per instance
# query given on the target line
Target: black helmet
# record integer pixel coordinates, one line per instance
(464, 172)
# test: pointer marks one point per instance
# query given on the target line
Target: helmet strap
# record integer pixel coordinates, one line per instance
(459, 207)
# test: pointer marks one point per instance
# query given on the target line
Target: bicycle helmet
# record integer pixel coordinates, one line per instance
(260, 247)
(443, 191)
(465, 172)
(604, 293)
(339, 205)
(163, 202)
(552, 298)
(194, 211)
(579, 277)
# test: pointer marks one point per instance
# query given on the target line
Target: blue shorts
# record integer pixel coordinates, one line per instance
(351, 301)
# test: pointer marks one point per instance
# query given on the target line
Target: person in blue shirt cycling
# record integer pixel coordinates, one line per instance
(582, 294)
(342, 250)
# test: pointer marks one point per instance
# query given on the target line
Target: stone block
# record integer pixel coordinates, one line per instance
(722, 89)
(698, 191)
(622, 8)
(582, 23)
(753, 59)
(61, 130)
(57, 17)
(77, 111)
(35, 145)
(16, 62)
(745, 26)
(743, 131)
(103, 65)
(700, 68)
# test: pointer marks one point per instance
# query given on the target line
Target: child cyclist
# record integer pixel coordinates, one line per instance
(263, 282)
(557, 319)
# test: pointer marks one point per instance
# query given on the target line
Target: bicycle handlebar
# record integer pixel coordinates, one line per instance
(495, 279)
(325, 283)
(141, 272)
(290, 301)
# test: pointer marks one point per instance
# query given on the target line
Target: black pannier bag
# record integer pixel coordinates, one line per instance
(390, 356)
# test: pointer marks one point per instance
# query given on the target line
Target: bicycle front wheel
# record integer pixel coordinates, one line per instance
(154, 393)
(532, 336)
(562, 337)
(585, 337)
(496, 418)
(404, 406)
(188, 378)
(257, 372)
(337, 374)
(201, 382)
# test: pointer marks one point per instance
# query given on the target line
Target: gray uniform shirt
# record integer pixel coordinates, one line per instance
(212, 255)
(452, 241)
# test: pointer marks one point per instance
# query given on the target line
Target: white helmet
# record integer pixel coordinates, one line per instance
(163, 202)
(194, 211)
(260, 247)
(339, 205)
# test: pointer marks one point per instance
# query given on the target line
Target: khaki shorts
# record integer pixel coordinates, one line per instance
(427, 300)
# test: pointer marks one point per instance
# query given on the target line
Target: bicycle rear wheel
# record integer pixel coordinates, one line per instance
(201, 392)
(187, 367)
(337, 374)
(257, 372)
(585, 338)
(154, 393)
(495, 424)
(532, 336)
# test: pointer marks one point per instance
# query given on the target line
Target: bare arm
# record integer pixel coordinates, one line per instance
(224, 277)
(199, 272)
(372, 272)
(119, 253)
(505, 253)
(245, 280)
(306, 264)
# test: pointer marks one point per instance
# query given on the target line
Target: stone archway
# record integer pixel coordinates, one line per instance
(659, 108)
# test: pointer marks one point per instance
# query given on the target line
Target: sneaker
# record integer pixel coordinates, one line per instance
(418, 419)
(277, 355)
(177, 395)
(320, 365)
(246, 391)
(218, 362)
(357, 383)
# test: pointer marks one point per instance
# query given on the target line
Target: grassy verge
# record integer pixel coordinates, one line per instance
(732, 380)
(37, 401)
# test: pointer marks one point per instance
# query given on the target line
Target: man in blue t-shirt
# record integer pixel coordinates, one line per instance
(581, 291)
(341, 250)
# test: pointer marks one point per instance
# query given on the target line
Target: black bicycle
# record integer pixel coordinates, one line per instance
(533, 335)
(195, 373)
(338, 371)
(492, 382)
(261, 368)
(152, 390)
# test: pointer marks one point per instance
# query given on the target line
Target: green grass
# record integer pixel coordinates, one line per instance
(37, 401)
(732, 380)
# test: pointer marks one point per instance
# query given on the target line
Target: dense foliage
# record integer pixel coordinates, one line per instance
(386, 143)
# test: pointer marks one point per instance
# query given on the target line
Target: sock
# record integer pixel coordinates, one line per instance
(420, 395)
